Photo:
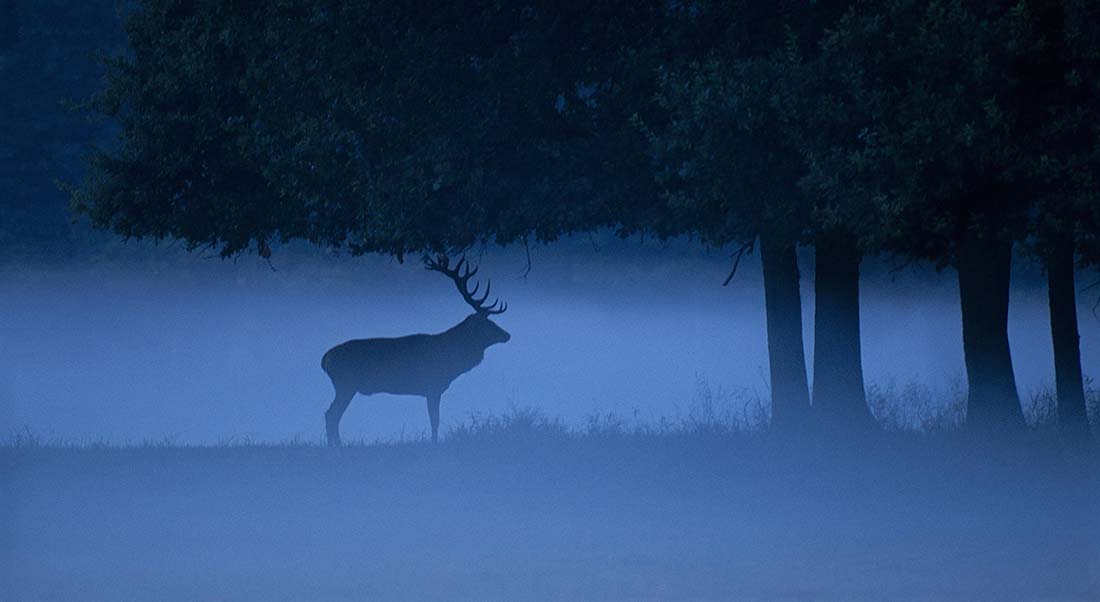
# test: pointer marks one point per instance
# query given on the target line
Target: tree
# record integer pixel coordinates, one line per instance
(1066, 224)
(734, 156)
(398, 128)
(943, 139)
(728, 179)
(403, 128)
(820, 116)
(948, 149)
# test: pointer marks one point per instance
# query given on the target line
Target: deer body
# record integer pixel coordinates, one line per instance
(421, 364)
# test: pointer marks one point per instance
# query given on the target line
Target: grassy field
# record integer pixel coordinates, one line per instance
(523, 508)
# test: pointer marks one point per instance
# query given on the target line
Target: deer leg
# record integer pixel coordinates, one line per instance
(333, 415)
(433, 414)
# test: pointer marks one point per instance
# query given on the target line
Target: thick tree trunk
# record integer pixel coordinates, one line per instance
(786, 354)
(1069, 384)
(840, 400)
(993, 404)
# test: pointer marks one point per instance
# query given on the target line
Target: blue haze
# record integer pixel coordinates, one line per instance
(197, 350)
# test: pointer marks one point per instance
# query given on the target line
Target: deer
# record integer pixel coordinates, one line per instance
(423, 365)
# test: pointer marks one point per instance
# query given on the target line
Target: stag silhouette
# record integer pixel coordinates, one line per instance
(421, 364)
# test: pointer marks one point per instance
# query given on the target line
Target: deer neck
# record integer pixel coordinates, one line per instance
(463, 334)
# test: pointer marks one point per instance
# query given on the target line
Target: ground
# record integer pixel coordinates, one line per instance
(522, 509)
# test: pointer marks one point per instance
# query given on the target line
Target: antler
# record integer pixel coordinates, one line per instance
(461, 274)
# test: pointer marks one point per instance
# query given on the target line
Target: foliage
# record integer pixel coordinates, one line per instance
(721, 159)
(393, 128)
(1067, 166)
(404, 127)
(943, 97)
(725, 174)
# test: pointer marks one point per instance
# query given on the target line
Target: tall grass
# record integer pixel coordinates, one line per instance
(915, 407)
(912, 407)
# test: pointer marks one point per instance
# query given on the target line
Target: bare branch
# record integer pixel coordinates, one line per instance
(737, 255)
(527, 251)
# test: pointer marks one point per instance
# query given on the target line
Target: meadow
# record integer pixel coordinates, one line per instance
(523, 507)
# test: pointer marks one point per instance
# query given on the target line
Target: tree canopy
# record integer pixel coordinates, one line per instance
(389, 127)
(945, 131)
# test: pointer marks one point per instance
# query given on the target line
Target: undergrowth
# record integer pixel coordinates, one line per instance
(912, 408)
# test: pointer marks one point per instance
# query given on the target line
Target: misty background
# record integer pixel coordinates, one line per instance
(199, 350)
(106, 342)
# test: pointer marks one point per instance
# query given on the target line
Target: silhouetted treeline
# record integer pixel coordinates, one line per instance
(948, 132)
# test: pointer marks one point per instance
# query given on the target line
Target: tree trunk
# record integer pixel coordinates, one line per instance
(1069, 384)
(840, 400)
(786, 355)
(993, 404)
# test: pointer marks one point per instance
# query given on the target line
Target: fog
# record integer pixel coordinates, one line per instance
(197, 350)
(530, 515)
(164, 428)
(162, 431)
